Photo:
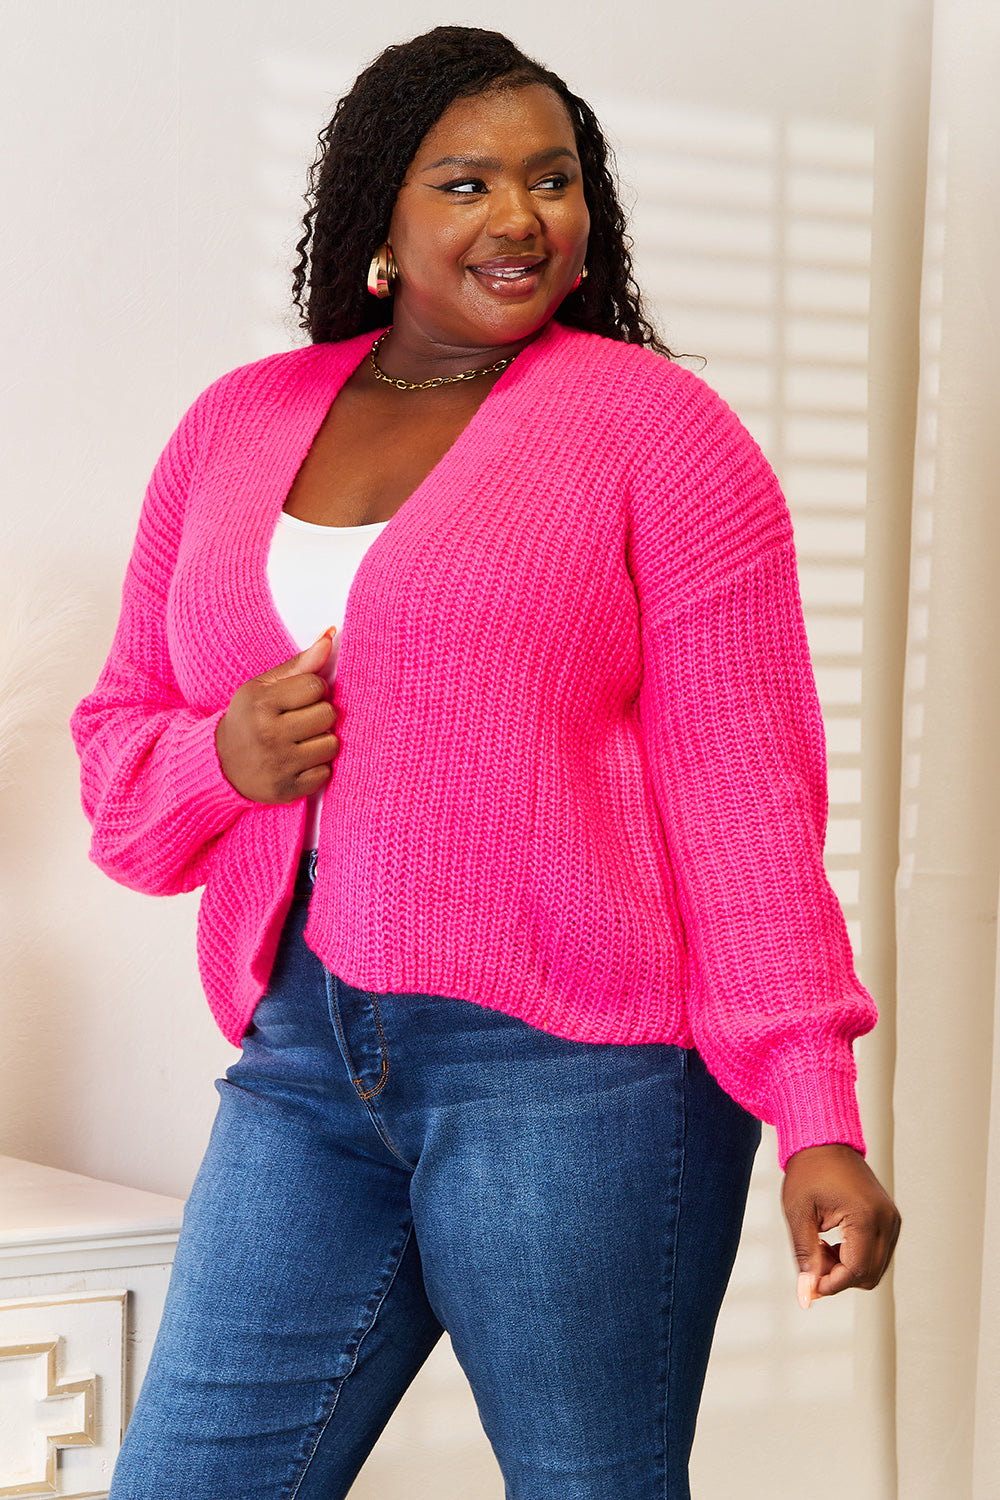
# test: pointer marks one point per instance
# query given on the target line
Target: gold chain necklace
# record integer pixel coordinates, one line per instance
(429, 385)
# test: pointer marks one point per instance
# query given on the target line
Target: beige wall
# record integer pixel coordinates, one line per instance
(153, 158)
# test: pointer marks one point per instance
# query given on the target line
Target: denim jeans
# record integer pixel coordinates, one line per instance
(385, 1166)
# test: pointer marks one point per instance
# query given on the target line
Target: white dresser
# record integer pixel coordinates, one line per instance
(83, 1275)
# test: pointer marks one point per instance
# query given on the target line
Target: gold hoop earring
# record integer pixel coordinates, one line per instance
(582, 277)
(382, 273)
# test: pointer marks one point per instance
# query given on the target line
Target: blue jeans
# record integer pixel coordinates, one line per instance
(385, 1166)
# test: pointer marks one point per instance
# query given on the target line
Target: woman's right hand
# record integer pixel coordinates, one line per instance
(274, 741)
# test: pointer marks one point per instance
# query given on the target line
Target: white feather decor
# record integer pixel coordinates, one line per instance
(37, 626)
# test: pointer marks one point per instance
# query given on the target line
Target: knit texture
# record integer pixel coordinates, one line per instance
(581, 776)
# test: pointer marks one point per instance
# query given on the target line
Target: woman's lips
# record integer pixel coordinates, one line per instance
(509, 278)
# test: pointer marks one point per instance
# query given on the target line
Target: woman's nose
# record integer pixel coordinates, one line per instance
(513, 216)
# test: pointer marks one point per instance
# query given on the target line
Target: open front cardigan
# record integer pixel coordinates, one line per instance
(581, 776)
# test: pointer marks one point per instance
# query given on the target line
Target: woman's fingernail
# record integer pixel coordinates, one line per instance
(805, 1289)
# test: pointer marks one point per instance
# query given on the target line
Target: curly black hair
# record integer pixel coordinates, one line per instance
(370, 142)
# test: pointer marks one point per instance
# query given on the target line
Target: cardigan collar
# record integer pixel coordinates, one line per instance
(288, 432)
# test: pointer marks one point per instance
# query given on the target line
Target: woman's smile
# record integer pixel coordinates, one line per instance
(510, 276)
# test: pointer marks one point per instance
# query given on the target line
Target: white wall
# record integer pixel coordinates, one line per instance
(153, 157)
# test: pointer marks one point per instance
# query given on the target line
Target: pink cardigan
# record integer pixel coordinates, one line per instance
(582, 774)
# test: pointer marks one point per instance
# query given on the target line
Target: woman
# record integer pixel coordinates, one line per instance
(552, 828)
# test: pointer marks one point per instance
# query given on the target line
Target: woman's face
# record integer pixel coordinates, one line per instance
(489, 231)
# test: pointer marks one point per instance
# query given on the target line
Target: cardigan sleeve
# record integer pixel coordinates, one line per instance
(732, 725)
(152, 786)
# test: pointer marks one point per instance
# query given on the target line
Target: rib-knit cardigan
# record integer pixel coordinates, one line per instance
(581, 775)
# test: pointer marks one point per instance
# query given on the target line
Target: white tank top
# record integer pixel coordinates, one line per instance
(310, 570)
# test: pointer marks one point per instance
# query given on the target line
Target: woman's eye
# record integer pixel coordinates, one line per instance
(468, 187)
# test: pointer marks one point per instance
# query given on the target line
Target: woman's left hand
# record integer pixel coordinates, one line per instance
(832, 1187)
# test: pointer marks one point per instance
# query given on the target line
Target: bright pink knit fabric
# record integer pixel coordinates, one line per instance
(581, 775)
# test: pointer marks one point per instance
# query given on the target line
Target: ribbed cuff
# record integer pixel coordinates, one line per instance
(208, 799)
(818, 1107)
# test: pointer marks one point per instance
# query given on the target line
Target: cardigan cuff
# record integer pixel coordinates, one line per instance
(155, 840)
(208, 799)
(815, 1106)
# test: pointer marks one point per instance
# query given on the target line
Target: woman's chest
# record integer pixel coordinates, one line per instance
(374, 449)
